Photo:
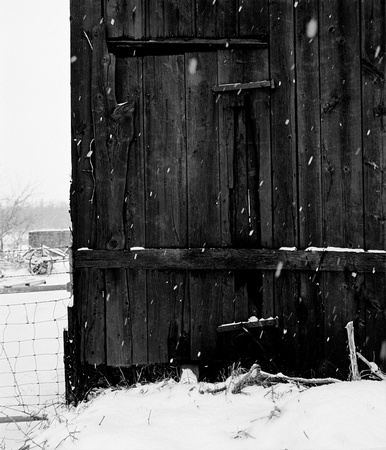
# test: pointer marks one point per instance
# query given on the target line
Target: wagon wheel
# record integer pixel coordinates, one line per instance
(40, 262)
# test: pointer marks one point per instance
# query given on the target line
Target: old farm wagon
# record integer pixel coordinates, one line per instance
(207, 136)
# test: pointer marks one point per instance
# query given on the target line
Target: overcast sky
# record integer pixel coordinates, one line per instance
(35, 97)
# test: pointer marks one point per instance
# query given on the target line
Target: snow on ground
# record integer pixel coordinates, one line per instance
(170, 415)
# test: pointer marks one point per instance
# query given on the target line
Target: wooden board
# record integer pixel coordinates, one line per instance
(216, 18)
(90, 287)
(129, 88)
(124, 18)
(341, 123)
(138, 315)
(236, 259)
(165, 156)
(169, 18)
(167, 309)
(84, 17)
(308, 121)
(118, 319)
(202, 158)
(206, 314)
(283, 126)
(253, 17)
(374, 120)
(340, 298)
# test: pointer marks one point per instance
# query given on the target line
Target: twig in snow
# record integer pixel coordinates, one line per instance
(373, 367)
(351, 345)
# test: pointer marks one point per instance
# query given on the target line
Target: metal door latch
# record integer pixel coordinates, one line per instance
(244, 86)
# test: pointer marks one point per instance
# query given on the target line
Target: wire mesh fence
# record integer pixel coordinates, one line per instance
(31, 349)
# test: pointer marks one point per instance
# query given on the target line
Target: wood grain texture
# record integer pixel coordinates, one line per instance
(91, 321)
(124, 18)
(202, 157)
(340, 294)
(283, 116)
(374, 121)
(341, 123)
(167, 327)
(85, 15)
(165, 155)
(168, 18)
(114, 132)
(129, 87)
(205, 314)
(253, 17)
(233, 258)
(136, 280)
(308, 124)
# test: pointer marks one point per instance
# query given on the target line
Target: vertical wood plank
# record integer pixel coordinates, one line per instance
(284, 168)
(228, 71)
(206, 314)
(164, 122)
(340, 294)
(311, 319)
(282, 62)
(286, 304)
(374, 121)
(166, 314)
(216, 18)
(372, 325)
(170, 18)
(342, 177)
(203, 159)
(179, 18)
(374, 165)
(310, 307)
(92, 323)
(308, 124)
(204, 222)
(341, 123)
(125, 18)
(154, 18)
(253, 17)
(85, 15)
(114, 133)
(118, 321)
(129, 88)
(138, 315)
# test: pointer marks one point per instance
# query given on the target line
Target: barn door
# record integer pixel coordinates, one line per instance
(180, 160)
(198, 177)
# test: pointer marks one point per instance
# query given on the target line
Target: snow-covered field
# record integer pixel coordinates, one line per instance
(169, 415)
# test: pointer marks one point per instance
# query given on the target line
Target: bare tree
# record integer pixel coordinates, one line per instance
(15, 218)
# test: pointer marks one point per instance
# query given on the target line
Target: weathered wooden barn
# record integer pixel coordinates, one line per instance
(206, 136)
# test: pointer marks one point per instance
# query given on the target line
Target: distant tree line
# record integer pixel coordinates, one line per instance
(19, 215)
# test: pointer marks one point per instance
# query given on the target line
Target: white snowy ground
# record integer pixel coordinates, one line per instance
(170, 415)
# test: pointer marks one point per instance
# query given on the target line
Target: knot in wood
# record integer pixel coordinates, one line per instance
(112, 244)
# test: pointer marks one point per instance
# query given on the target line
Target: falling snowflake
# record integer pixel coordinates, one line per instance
(192, 68)
(312, 28)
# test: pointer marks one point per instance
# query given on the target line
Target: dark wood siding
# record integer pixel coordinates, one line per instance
(161, 161)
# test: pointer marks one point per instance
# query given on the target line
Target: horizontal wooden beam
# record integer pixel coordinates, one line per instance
(131, 47)
(231, 259)
(29, 289)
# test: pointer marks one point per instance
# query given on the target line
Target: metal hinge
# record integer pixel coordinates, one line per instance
(244, 86)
